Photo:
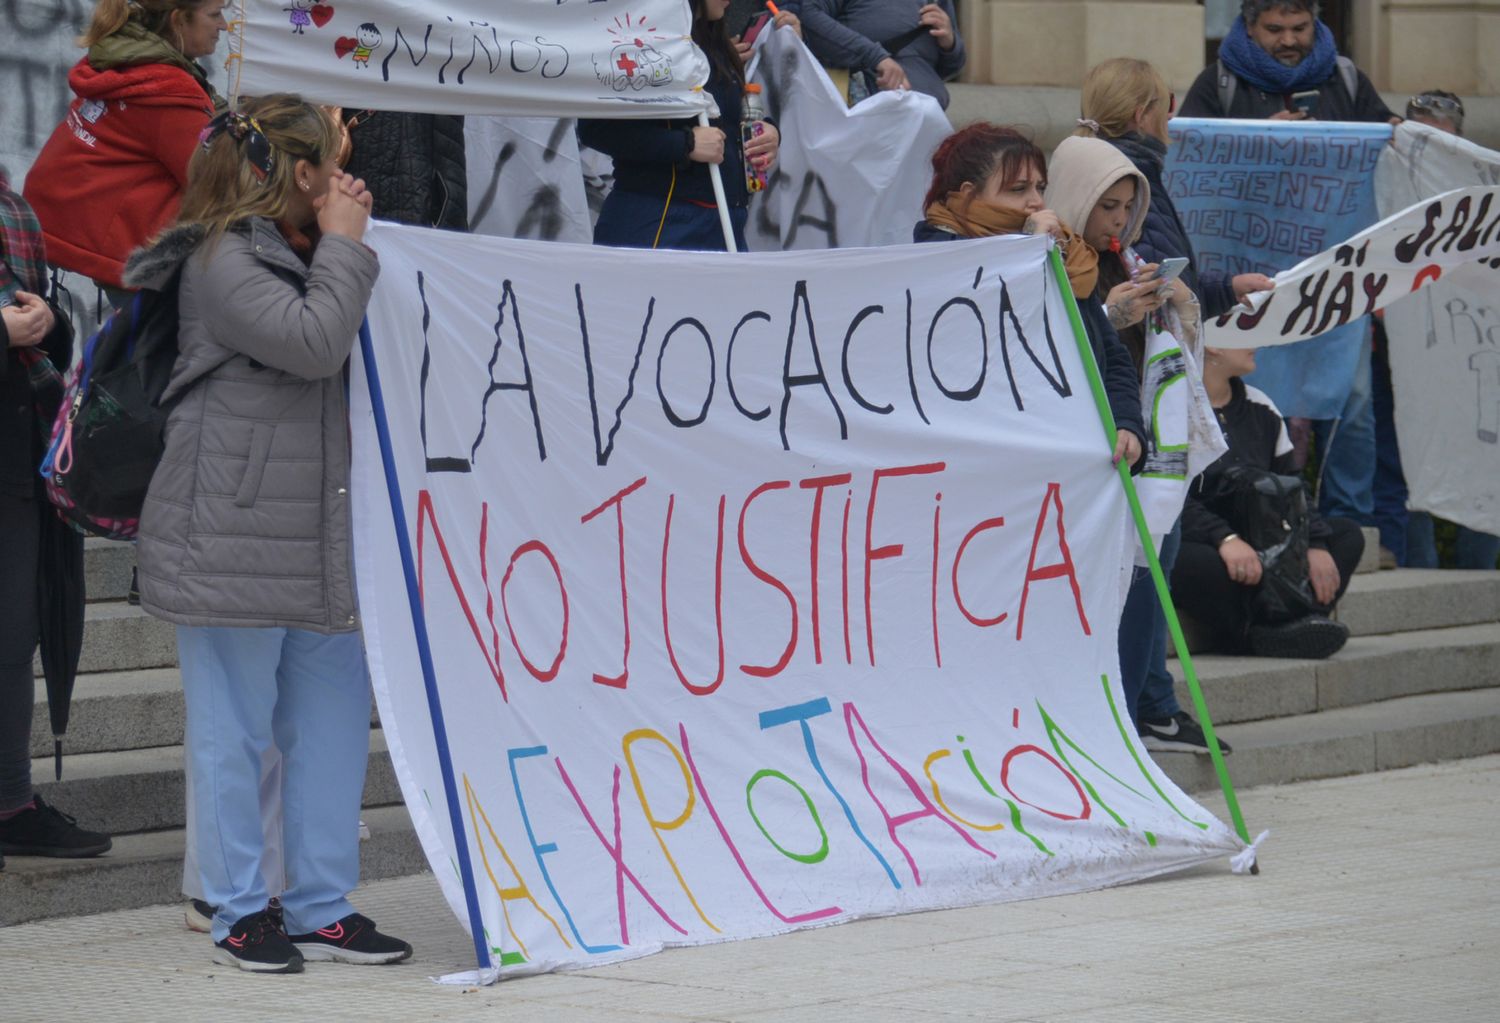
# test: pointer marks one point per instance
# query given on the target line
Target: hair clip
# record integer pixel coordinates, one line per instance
(246, 130)
(1089, 123)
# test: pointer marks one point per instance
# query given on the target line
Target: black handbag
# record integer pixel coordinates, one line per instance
(1271, 515)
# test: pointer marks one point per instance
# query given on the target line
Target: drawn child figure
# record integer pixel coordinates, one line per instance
(368, 37)
(301, 15)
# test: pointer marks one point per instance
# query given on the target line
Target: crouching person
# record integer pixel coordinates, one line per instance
(245, 534)
(1223, 582)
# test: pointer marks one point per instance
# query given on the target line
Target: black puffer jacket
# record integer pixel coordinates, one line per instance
(414, 166)
(1163, 235)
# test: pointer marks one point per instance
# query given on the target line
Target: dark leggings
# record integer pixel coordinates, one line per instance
(20, 527)
(1219, 607)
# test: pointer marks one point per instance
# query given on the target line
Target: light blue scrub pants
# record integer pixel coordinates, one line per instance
(309, 695)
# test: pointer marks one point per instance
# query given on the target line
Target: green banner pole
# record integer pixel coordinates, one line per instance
(1096, 385)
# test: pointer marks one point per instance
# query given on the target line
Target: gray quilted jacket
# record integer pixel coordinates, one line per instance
(247, 520)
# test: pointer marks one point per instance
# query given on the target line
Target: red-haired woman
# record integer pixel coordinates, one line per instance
(988, 180)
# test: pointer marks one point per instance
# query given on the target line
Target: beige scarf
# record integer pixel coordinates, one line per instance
(979, 218)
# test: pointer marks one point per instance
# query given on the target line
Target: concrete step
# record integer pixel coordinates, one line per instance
(113, 710)
(118, 710)
(146, 870)
(1411, 599)
(142, 789)
(120, 637)
(106, 568)
(1349, 740)
(1368, 669)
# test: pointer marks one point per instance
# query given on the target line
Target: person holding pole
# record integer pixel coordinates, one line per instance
(664, 195)
(258, 577)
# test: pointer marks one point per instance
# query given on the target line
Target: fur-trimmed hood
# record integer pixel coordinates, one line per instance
(153, 265)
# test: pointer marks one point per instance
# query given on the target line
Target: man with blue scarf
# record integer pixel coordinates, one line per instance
(1279, 62)
(1275, 50)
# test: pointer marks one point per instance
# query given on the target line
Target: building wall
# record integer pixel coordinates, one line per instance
(1404, 45)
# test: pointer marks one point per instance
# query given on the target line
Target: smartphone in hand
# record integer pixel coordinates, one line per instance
(1307, 102)
(1171, 269)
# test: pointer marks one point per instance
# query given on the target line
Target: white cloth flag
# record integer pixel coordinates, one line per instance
(762, 591)
(845, 177)
(526, 179)
(603, 58)
(1452, 235)
(1184, 437)
(1445, 345)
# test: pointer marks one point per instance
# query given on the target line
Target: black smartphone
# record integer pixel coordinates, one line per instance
(1307, 102)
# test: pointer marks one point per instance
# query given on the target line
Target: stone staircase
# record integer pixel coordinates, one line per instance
(1419, 681)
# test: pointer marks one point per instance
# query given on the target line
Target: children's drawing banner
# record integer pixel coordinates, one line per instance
(763, 591)
(600, 58)
(1260, 196)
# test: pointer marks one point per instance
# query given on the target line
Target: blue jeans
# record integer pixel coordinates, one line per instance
(309, 695)
(1471, 549)
(1148, 686)
(1389, 486)
(1347, 453)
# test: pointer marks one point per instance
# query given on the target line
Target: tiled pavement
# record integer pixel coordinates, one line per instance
(1379, 899)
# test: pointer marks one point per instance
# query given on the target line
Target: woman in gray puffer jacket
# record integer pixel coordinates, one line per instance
(245, 534)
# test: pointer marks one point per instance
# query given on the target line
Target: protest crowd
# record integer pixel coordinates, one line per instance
(252, 216)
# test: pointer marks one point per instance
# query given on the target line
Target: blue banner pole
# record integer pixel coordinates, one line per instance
(424, 647)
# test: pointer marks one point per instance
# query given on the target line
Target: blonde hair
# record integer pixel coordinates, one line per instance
(155, 15)
(1112, 93)
(223, 188)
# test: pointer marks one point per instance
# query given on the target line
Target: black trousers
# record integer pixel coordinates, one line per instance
(20, 529)
(1219, 608)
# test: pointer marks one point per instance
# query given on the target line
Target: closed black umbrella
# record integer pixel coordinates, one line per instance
(59, 597)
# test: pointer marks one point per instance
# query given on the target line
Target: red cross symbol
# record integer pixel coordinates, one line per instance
(627, 65)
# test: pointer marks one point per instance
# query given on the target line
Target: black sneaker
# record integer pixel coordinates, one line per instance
(198, 916)
(46, 831)
(1310, 638)
(1179, 734)
(256, 944)
(353, 939)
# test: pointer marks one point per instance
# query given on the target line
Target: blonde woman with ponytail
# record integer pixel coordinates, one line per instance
(1127, 103)
(112, 172)
(246, 531)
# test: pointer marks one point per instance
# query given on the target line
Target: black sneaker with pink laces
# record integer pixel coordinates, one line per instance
(258, 944)
(353, 939)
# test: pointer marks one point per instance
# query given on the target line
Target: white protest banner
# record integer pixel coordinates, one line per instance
(1456, 232)
(845, 177)
(526, 179)
(759, 591)
(1445, 346)
(603, 58)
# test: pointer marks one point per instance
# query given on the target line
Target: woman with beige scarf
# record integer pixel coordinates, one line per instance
(988, 180)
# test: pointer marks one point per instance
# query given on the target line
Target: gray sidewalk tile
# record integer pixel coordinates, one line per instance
(1377, 902)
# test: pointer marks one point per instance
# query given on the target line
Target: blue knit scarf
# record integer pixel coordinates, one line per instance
(1244, 57)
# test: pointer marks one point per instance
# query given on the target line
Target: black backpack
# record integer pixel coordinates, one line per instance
(107, 439)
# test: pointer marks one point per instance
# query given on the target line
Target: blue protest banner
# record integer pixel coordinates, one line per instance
(1259, 197)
